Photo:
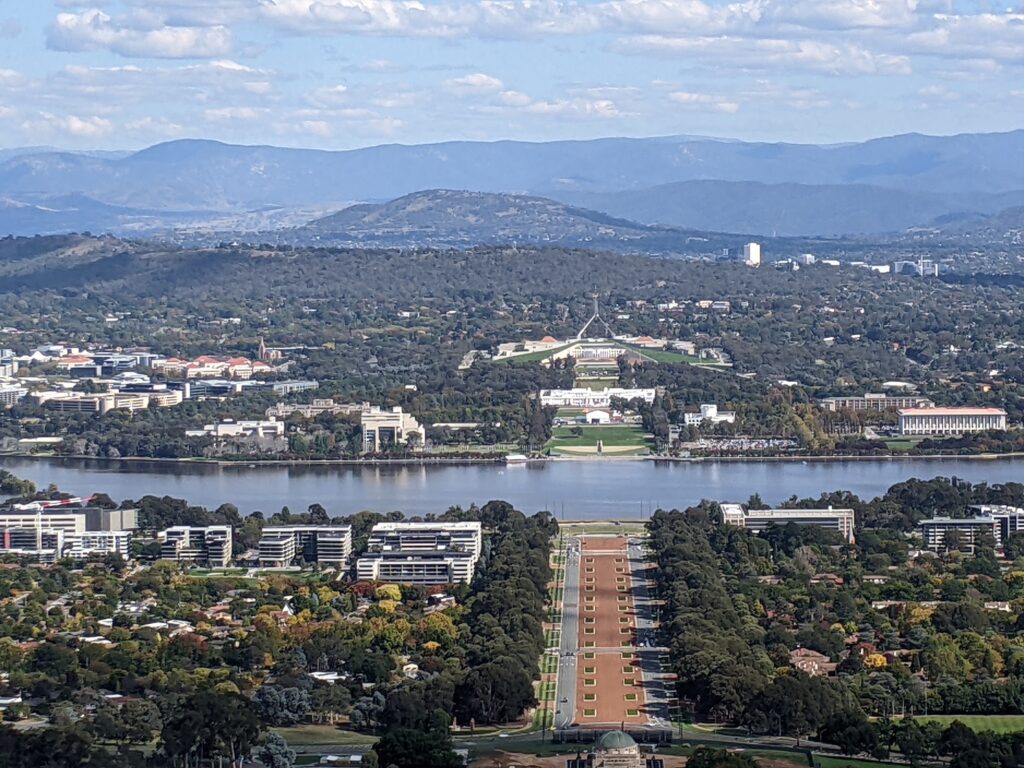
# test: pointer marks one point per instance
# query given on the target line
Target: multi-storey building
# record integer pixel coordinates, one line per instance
(10, 394)
(950, 421)
(961, 533)
(841, 520)
(383, 429)
(281, 545)
(210, 545)
(68, 522)
(82, 545)
(422, 553)
(874, 401)
(36, 544)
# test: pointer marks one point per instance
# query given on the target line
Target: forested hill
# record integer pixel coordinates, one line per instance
(451, 218)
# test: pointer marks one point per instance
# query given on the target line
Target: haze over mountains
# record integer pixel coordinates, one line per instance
(883, 185)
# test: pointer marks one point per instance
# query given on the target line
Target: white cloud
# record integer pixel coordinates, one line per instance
(704, 102)
(94, 29)
(478, 82)
(87, 127)
(846, 14)
(514, 98)
(759, 54)
(577, 107)
(222, 114)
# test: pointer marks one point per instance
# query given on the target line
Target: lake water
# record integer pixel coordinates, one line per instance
(579, 489)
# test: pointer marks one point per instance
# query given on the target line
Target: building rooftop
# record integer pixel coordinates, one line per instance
(616, 740)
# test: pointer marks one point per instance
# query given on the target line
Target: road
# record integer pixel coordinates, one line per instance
(658, 690)
(565, 688)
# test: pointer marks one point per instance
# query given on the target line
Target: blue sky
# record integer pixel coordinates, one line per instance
(348, 73)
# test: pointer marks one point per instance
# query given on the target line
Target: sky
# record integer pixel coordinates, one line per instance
(338, 74)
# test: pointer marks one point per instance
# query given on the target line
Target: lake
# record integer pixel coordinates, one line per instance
(578, 489)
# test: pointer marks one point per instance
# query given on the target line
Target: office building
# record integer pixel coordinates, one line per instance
(950, 421)
(80, 546)
(841, 520)
(46, 520)
(100, 519)
(752, 254)
(384, 429)
(329, 545)
(421, 553)
(1009, 519)
(961, 533)
(210, 545)
(311, 410)
(873, 401)
(35, 544)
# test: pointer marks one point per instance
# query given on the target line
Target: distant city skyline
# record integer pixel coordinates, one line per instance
(340, 74)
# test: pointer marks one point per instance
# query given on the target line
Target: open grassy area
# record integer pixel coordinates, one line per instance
(902, 444)
(533, 357)
(327, 735)
(622, 528)
(996, 723)
(827, 761)
(617, 439)
(597, 384)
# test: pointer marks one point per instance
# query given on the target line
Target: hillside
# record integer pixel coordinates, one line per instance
(449, 218)
(936, 176)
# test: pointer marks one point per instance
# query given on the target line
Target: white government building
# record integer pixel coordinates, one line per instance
(841, 520)
(950, 421)
(581, 397)
(209, 545)
(421, 553)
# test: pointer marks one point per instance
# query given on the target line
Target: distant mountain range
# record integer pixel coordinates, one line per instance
(876, 186)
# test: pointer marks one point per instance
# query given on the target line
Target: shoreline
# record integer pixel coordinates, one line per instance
(456, 461)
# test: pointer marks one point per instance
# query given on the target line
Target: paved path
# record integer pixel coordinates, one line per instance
(565, 688)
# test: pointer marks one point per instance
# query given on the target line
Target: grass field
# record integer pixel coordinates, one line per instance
(904, 444)
(596, 384)
(533, 357)
(826, 761)
(996, 723)
(304, 735)
(617, 439)
(623, 528)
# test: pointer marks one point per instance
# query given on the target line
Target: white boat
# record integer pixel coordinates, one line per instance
(516, 458)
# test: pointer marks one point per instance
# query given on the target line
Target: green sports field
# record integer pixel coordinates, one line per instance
(996, 723)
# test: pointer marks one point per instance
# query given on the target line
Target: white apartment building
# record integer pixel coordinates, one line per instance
(950, 421)
(581, 397)
(210, 545)
(752, 254)
(383, 429)
(422, 553)
(80, 546)
(841, 520)
(709, 414)
(329, 545)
